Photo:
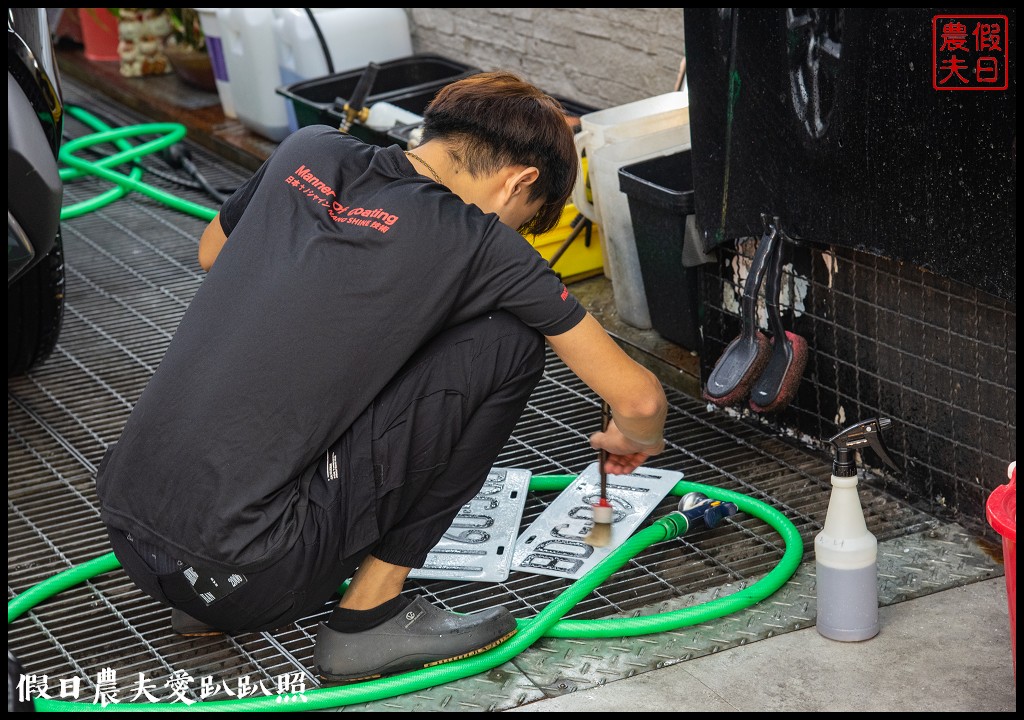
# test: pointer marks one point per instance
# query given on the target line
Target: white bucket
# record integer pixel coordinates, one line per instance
(354, 37)
(215, 48)
(613, 138)
(250, 52)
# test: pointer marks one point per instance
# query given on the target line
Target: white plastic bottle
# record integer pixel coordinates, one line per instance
(215, 47)
(250, 53)
(384, 116)
(845, 551)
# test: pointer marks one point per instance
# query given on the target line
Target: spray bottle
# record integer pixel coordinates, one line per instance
(845, 551)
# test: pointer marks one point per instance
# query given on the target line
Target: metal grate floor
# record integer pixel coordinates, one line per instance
(131, 271)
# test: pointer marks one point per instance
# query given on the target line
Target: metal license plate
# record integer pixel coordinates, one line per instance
(478, 545)
(553, 544)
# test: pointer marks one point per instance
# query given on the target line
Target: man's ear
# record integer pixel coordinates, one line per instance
(519, 180)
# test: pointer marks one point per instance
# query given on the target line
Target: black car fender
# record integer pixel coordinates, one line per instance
(34, 187)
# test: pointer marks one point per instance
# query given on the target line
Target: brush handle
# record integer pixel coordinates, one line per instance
(772, 293)
(602, 454)
(770, 391)
(752, 286)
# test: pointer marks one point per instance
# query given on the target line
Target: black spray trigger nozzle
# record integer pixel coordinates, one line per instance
(867, 433)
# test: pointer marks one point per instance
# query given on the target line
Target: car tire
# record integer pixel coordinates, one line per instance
(35, 312)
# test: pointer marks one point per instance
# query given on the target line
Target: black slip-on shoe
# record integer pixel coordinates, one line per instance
(420, 636)
(187, 626)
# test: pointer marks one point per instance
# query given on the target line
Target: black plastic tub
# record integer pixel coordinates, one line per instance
(660, 196)
(402, 134)
(409, 82)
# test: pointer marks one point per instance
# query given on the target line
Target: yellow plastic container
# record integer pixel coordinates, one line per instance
(582, 259)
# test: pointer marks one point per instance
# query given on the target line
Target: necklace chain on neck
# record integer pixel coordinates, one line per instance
(425, 164)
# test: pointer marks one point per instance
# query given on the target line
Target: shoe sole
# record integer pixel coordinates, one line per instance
(433, 663)
(213, 632)
(197, 634)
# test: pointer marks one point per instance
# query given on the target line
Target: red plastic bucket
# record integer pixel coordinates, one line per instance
(1002, 515)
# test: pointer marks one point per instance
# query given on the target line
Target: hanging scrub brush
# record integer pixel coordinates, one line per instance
(600, 534)
(778, 383)
(746, 356)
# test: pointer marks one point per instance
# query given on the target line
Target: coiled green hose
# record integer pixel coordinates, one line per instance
(547, 623)
(173, 132)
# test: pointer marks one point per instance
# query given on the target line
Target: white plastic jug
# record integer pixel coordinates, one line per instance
(250, 52)
(215, 48)
(610, 139)
(384, 116)
(354, 37)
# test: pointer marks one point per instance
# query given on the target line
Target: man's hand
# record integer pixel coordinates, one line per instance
(634, 394)
(211, 242)
(624, 455)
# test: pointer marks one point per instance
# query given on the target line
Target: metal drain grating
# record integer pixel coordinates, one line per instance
(131, 273)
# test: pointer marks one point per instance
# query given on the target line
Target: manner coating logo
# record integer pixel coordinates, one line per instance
(317, 191)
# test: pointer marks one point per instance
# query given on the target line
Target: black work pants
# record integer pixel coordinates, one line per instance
(426, 444)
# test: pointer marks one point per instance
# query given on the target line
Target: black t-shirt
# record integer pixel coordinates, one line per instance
(341, 261)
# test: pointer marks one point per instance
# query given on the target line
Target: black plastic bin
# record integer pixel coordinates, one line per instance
(660, 196)
(410, 83)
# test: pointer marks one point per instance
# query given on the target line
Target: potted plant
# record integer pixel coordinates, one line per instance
(186, 48)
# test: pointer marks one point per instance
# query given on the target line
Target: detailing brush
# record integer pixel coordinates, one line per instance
(746, 356)
(600, 534)
(779, 381)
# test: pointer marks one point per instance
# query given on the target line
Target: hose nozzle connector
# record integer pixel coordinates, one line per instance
(355, 109)
(352, 115)
(698, 509)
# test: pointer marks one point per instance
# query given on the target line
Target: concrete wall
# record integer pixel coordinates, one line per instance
(597, 57)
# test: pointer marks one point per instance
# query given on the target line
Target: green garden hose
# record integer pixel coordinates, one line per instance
(547, 623)
(172, 133)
